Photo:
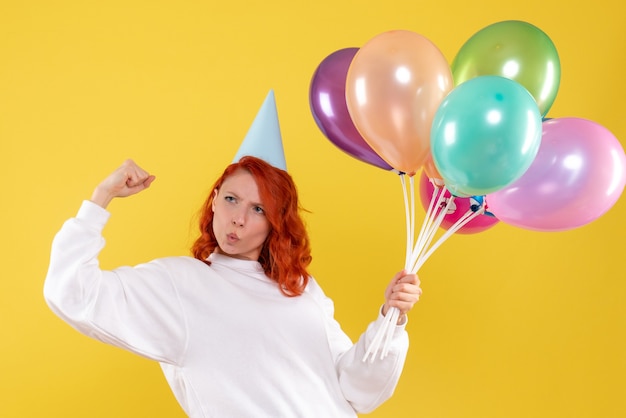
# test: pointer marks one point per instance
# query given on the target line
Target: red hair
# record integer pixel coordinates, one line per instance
(286, 253)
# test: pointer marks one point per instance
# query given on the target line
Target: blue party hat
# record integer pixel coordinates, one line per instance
(263, 139)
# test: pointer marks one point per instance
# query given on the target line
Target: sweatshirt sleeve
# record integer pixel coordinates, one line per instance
(137, 309)
(365, 384)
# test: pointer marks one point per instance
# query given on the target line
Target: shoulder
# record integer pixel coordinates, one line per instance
(314, 289)
(312, 285)
(175, 266)
(181, 260)
(180, 264)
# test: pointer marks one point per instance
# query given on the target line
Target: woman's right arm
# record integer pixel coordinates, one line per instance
(127, 180)
(133, 308)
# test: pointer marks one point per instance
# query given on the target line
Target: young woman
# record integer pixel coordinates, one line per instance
(240, 329)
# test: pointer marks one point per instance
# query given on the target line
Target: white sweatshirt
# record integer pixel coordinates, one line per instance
(229, 343)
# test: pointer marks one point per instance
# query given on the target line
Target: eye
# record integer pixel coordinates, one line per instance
(259, 210)
(229, 198)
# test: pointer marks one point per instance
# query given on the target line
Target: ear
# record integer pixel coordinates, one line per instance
(213, 201)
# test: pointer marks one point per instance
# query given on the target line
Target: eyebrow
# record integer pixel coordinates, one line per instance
(226, 191)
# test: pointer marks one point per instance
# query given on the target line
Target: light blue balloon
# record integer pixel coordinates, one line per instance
(485, 135)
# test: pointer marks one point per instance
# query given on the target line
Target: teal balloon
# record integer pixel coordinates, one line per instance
(516, 50)
(485, 135)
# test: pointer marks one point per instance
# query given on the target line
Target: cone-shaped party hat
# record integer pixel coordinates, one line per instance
(263, 139)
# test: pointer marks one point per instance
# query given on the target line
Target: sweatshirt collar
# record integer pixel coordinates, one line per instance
(238, 264)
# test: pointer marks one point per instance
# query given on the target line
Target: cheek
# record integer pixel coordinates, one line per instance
(217, 223)
(219, 212)
(263, 229)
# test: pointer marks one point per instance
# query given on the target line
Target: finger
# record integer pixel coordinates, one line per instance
(399, 275)
(403, 306)
(405, 297)
(137, 177)
(149, 181)
(413, 295)
(406, 286)
(409, 278)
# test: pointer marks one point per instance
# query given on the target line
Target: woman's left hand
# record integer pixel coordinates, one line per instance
(403, 292)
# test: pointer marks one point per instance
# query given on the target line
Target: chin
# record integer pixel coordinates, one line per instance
(235, 254)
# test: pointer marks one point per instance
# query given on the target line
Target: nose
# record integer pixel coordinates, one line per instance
(238, 218)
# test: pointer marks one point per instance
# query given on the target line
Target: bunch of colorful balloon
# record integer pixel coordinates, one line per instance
(476, 129)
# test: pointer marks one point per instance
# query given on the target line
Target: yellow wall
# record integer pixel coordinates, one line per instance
(512, 323)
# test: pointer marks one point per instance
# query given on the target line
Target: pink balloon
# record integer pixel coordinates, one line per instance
(463, 204)
(578, 174)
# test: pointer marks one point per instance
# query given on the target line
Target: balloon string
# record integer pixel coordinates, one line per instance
(395, 314)
(416, 257)
(467, 217)
(430, 220)
(409, 236)
(375, 344)
(385, 332)
(431, 223)
(426, 225)
(434, 221)
(412, 227)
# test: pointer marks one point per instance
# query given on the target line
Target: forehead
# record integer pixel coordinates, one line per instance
(242, 183)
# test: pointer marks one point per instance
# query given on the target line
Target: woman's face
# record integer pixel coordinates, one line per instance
(239, 221)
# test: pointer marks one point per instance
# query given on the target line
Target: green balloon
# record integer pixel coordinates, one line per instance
(515, 50)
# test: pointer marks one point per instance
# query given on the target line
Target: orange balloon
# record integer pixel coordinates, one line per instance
(394, 86)
(430, 169)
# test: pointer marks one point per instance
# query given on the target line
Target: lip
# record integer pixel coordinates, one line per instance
(232, 238)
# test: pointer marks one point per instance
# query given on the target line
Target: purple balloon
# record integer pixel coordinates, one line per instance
(578, 174)
(327, 98)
